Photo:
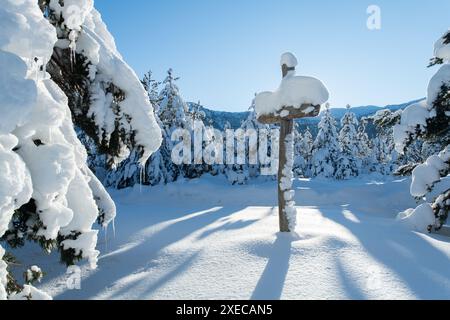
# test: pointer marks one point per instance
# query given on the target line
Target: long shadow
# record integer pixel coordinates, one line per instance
(150, 288)
(144, 254)
(349, 285)
(406, 253)
(171, 275)
(235, 225)
(270, 285)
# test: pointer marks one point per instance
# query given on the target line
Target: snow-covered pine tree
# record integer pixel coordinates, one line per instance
(349, 164)
(384, 156)
(306, 150)
(172, 113)
(47, 192)
(152, 87)
(364, 146)
(389, 160)
(382, 161)
(172, 108)
(159, 169)
(241, 173)
(299, 161)
(430, 120)
(233, 172)
(106, 99)
(197, 118)
(326, 147)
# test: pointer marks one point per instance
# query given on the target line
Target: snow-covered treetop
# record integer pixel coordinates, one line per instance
(349, 118)
(417, 117)
(294, 91)
(289, 60)
(442, 48)
(120, 114)
(172, 108)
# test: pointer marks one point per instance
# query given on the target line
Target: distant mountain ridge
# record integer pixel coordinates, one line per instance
(365, 111)
(218, 118)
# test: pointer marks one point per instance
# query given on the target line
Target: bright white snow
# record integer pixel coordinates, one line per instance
(418, 219)
(427, 174)
(203, 246)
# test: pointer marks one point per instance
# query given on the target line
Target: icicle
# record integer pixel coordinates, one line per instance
(105, 230)
(114, 228)
(141, 177)
(73, 47)
(72, 56)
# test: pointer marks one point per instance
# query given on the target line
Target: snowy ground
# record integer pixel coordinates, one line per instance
(205, 239)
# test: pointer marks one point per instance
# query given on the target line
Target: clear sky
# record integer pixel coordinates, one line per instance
(226, 50)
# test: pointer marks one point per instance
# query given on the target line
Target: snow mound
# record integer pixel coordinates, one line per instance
(418, 219)
(30, 293)
(427, 174)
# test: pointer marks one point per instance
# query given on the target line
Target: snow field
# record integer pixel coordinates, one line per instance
(204, 247)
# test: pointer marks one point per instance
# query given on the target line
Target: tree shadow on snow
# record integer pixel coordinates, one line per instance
(420, 265)
(354, 291)
(144, 287)
(227, 226)
(146, 251)
(270, 285)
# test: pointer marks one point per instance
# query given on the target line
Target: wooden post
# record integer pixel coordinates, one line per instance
(285, 118)
(286, 130)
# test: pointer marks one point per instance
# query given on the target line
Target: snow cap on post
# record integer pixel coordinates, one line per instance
(289, 60)
(297, 96)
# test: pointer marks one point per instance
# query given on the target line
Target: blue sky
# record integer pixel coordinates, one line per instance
(226, 50)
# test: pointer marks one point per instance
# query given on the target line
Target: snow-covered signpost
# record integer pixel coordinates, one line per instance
(297, 97)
